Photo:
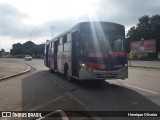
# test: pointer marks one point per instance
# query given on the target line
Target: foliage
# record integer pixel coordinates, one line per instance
(28, 48)
(2, 50)
(133, 55)
(147, 28)
(153, 55)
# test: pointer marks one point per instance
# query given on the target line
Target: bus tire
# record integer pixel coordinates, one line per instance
(67, 75)
(50, 69)
(69, 78)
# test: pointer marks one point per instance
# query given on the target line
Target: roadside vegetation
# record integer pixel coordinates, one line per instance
(146, 28)
(29, 48)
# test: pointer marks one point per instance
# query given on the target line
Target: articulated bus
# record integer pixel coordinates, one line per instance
(89, 51)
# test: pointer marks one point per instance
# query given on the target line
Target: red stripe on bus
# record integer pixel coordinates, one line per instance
(94, 65)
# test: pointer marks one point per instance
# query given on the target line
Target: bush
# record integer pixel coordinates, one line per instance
(133, 55)
(153, 55)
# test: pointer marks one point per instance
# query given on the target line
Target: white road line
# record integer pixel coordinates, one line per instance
(63, 115)
(142, 89)
(48, 102)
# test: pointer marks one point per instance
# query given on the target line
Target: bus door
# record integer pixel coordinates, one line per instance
(55, 54)
(75, 54)
(46, 55)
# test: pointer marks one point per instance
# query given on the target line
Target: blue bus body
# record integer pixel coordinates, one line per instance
(89, 51)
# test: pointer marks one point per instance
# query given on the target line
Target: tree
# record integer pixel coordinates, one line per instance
(16, 49)
(133, 33)
(155, 20)
(28, 48)
(2, 50)
(28, 44)
(144, 27)
(147, 28)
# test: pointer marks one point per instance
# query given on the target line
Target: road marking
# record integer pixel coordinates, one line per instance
(62, 113)
(142, 89)
(48, 102)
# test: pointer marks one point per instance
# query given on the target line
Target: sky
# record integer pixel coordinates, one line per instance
(25, 20)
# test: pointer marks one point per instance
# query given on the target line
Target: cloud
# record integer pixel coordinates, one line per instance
(123, 12)
(9, 11)
(127, 12)
(12, 25)
(11, 21)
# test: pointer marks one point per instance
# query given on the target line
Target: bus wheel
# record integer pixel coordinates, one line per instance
(68, 76)
(50, 69)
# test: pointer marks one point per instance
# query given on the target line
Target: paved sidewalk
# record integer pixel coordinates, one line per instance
(10, 68)
(149, 64)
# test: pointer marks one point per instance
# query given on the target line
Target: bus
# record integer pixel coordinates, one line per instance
(89, 51)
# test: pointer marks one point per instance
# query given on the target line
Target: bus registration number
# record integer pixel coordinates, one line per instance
(108, 75)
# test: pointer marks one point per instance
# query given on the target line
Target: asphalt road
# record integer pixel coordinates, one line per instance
(41, 90)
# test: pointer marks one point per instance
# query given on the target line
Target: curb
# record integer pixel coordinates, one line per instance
(14, 75)
(143, 67)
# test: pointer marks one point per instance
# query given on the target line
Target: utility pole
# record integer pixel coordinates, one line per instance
(52, 30)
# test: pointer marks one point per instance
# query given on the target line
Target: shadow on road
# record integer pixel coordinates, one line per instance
(44, 91)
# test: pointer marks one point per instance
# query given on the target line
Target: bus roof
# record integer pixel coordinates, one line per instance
(101, 22)
(87, 23)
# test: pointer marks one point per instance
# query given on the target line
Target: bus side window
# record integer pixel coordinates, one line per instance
(60, 48)
(86, 46)
(61, 40)
(68, 37)
(58, 42)
(52, 44)
(64, 38)
(67, 46)
(81, 47)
